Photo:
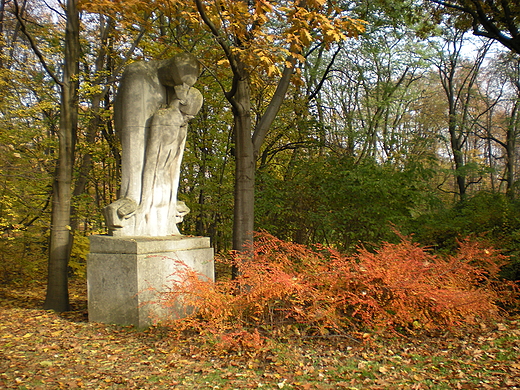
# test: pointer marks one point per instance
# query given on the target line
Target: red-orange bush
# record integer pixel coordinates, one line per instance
(399, 285)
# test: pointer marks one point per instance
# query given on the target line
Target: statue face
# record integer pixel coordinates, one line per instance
(193, 104)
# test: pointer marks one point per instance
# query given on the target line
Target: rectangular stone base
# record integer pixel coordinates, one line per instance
(126, 275)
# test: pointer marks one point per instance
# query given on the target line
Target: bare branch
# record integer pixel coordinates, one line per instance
(274, 106)
(33, 44)
(325, 74)
(227, 50)
(481, 18)
(61, 14)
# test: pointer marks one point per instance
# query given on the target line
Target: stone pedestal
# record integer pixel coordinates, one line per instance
(126, 275)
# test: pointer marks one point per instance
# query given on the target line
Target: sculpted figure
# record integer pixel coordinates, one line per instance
(156, 99)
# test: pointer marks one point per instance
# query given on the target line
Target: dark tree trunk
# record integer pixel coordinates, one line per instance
(57, 297)
(458, 84)
(243, 222)
(247, 143)
(458, 154)
(511, 135)
(2, 13)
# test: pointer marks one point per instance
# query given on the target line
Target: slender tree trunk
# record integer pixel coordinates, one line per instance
(57, 297)
(2, 13)
(511, 135)
(456, 147)
(95, 120)
(247, 148)
(458, 82)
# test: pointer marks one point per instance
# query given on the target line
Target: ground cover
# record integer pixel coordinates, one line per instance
(44, 350)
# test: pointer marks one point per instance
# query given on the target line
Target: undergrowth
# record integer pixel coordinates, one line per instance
(291, 288)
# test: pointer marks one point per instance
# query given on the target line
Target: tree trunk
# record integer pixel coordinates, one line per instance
(57, 297)
(456, 147)
(512, 132)
(86, 162)
(247, 148)
(2, 13)
(247, 144)
(243, 222)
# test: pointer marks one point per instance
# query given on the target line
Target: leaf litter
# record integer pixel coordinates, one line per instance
(42, 349)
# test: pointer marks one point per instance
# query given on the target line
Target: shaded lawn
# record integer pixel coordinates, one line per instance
(43, 350)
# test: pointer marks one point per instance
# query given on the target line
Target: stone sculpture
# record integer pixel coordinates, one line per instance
(156, 99)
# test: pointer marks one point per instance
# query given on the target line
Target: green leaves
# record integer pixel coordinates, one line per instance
(336, 201)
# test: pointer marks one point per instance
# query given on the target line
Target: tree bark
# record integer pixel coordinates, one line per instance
(247, 143)
(57, 297)
(458, 84)
(489, 20)
(2, 13)
(243, 221)
(458, 153)
(511, 135)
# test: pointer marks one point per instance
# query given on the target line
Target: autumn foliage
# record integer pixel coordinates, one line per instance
(319, 291)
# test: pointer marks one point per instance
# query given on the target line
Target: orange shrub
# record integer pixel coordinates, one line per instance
(319, 290)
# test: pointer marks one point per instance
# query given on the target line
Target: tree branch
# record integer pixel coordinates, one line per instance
(227, 50)
(481, 18)
(274, 106)
(325, 75)
(509, 20)
(127, 56)
(33, 44)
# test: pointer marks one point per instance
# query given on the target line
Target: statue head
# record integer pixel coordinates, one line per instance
(190, 100)
(181, 69)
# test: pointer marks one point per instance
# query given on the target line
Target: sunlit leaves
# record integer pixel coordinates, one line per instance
(261, 33)
(27, 111)
(306, 25)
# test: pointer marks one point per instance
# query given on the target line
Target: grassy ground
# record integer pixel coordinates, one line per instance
(44, 350)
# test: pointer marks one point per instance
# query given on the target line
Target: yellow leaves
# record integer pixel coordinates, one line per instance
(298, 57)
(305, 37)
(193, 18)
(333, 35)
(223, 62)
(263, 6)
(316, 3)
(135, 8)
(89, 89)
(352, 27)
(266, 62)
(260, 33)
(273, 70)
(317, 23)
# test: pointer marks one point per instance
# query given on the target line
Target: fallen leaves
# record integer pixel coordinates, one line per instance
(42, 350)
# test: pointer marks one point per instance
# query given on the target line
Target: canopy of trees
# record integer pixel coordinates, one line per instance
(498, 20)
(317, 126)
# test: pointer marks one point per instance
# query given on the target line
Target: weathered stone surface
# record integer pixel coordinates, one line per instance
(145, 245)
(130, 269)
(155, 101)
(127, 275)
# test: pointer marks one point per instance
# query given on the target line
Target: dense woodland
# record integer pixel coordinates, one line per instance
(363, 119)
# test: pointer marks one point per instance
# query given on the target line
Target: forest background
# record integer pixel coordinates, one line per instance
(412, 126)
